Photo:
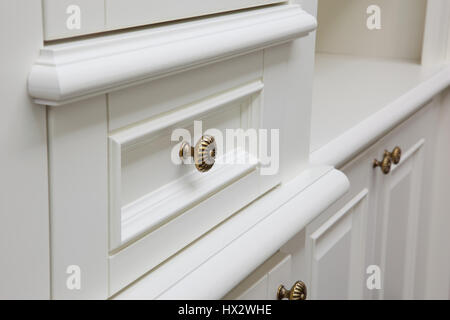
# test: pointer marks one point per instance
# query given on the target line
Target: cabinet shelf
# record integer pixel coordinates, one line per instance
(369, 55)
(349, 89)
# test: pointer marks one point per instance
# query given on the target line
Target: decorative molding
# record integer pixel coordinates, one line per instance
(80, 69)
(195, 269)
(325, 238)
(341, 213)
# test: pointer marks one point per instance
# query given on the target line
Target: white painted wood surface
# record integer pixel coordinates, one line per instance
(437, 257)
(398, 206)
(142, 198)
(24, 220)
(223, 251)
(76, 70)
(436, 43)
(78, 162)
(105, 15)
(262, 93)
(372, 85)
(336, 252)
(263, 283)
(150, 87)
(339, 148)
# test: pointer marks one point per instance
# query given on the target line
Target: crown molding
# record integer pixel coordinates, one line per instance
(80, 69)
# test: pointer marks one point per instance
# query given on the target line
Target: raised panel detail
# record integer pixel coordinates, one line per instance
(336, 250)
(147, 189)
(399, 205)
(152, 198)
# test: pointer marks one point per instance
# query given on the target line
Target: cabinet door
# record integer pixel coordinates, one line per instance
(338, 241)
(399, 199)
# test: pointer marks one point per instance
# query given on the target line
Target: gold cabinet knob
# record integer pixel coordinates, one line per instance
(204, 153)
(385, 164)
(395, 155)
(297, 292)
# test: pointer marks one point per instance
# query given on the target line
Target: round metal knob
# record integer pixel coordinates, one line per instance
(385, 164)
(297, 292)
(204, 153)
(395, 155)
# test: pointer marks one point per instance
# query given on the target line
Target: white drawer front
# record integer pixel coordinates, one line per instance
(147, 189)
(154, 197)
(111, 142)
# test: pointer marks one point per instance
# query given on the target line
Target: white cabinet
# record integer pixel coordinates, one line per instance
(336, 251)
(338, 242)
(403, 207)
(380, 231)
(69, 18)
(263, 283)
(120, 107)
(398, 207)
(384, 221)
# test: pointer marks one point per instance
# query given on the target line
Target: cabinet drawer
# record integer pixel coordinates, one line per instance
(69, 18)
(150, 185)
(153, 194)
(127, 97)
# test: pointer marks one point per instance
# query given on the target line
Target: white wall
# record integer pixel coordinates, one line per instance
(24, 222)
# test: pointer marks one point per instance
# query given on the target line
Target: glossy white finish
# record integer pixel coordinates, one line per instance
(24, 219)
(77, 70)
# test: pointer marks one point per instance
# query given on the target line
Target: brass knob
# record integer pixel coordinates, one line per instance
(297, 292)
(385, 164)
(204, 152)
(395, 155)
